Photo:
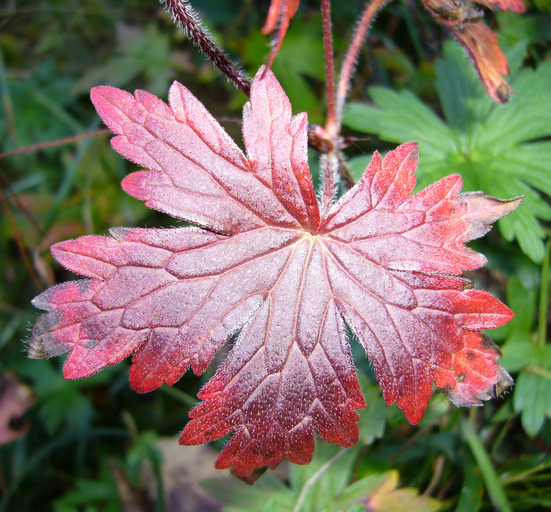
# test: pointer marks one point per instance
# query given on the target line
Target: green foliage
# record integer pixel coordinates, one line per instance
(91, 495)
(322, 486)
(373, 417)
(526, 351)
(499, 149)
(138, 54)
(533, 395)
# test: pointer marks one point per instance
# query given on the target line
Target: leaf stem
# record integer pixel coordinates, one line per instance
(542, 372)
(314, 478)
(351, 57)
(438, 465)
(19, 242)
(54, 143)
(328, 167)
(188, 20)
(179, 395)
(489, 474)
(544, 296)
(4, 183)
(330, 122)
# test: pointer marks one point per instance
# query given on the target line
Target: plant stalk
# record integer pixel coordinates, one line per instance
(489, 474)
(330, 122)
(351, 57)
(19, 242)
(188, 20)
(54, 143)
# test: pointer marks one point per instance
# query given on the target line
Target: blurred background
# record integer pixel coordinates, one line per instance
(95, 445)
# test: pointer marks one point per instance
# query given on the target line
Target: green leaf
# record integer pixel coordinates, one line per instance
(324, 478)
(87, 492)
(271, 506)
(473, 485)
(240, 497)
(322, 486)
(487, 469)
(462, 98)
(380, 493)
(527, 115)
(357, 165)
(400, 117)
(522, 300)
(373, 417)
(528, 28)
(357, 508)
(517, 353)
(532, 399)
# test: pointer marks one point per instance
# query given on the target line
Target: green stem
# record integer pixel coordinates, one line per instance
(314, 478)
(489, 474)
(544, 297)
(540, 371)
(179, 395)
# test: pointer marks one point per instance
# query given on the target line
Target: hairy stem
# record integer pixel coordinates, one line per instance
(187, 19)
(351, 57)
(330, 124)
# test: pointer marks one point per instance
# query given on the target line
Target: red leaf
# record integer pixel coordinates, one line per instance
(504, 5)
(480, 43)
(490, 63)
(266, 267)
(282, 11)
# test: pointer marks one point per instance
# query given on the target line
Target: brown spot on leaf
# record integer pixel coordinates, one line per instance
(488, 344)
(447, 389)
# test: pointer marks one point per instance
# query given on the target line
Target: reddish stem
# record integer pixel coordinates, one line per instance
(183, 13)
(54, 143)
(19, 241)
(24, 208)
(330, 124)
(283, 26)
(349, 62)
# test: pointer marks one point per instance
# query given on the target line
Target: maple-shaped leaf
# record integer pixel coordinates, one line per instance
(265, 266)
